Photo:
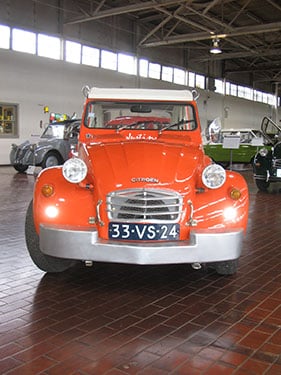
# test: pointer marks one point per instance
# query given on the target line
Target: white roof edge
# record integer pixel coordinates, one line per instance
(239, 130)
(140, 94)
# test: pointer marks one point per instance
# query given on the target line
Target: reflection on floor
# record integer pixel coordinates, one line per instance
(119, 319)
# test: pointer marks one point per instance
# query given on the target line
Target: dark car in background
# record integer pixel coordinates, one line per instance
(53, 147)
(267, 162)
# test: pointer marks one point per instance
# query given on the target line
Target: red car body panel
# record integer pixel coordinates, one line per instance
(123, 158)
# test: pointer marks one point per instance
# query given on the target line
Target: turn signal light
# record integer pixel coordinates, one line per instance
(235, 194)
(47, 190)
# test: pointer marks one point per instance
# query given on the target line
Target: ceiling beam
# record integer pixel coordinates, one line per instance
(185, 20)
(237, 31)
(126, 10)
(239, 55)
(261, 69)
(211, 5)
(273, 3)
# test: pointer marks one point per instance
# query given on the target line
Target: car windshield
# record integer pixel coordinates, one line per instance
(270, 130)
(53, 131)
(150, 116)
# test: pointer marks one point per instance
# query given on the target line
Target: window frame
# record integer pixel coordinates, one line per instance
(5, 121)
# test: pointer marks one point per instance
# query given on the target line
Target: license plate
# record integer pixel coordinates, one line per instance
(278, 172)
(144, 232)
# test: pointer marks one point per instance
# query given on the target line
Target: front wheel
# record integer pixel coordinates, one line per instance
(228, 267)
(262, 185)
(51, 159)
(45, 262)
(21, 168)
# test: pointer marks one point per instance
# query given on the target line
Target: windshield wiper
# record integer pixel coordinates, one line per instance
(125, 126)
(181, 122)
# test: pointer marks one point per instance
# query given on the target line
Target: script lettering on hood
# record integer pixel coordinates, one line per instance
(140, 136)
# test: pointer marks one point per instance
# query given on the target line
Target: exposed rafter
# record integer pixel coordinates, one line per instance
(238, 31)
(249, 30)
(116, 11)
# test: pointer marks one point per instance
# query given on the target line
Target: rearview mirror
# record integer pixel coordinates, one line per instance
(140, 108)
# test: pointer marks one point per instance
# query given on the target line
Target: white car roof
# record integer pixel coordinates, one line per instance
(140, 94)
(238, 130)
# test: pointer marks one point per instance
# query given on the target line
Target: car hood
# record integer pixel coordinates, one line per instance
(22, 145)
(39, 142)
(45, 142)
(128, 164)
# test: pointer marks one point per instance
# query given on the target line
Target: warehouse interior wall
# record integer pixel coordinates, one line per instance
(33, 82)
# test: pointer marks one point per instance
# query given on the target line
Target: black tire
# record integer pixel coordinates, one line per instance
(262, 185)
(252, 161)
(45, 262)
(21, 168)
(224, 164)
(228, 267)
(51, 159)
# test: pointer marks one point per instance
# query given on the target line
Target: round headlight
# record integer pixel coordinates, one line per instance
(213, 176)
(74, 170)
(263, 152)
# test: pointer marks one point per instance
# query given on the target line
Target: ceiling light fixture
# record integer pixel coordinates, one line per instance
(215, 49)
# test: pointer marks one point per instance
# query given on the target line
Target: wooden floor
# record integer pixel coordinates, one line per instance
(120, 319)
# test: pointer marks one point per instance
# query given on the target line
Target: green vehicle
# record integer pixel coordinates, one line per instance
(234, 146)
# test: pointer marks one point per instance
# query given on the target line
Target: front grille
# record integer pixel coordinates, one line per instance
(277, 163)
(19, 152)
(149, 205)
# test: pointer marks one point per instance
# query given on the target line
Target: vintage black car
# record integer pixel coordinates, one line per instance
(53, 147)
(267, 162)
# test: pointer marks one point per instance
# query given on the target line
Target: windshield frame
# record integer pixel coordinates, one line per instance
(52, 127)
(176, 121)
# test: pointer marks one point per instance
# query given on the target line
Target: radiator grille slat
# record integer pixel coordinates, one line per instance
(150, 205)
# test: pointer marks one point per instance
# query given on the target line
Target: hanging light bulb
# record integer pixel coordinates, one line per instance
(215, 49)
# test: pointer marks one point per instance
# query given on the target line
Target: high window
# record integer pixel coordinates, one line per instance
(23, 41)
(49, 46)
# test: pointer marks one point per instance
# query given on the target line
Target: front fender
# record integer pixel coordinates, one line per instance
(69, 205)
(40, 152)
(22, 154)
(32, 156)
(211, 206)
(75, 205)
(262, 164)
(12, 155)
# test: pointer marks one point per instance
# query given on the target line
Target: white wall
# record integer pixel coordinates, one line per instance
(234, 112)
(33, 82)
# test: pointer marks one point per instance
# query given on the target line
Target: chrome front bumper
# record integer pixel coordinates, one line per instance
(203, 247)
